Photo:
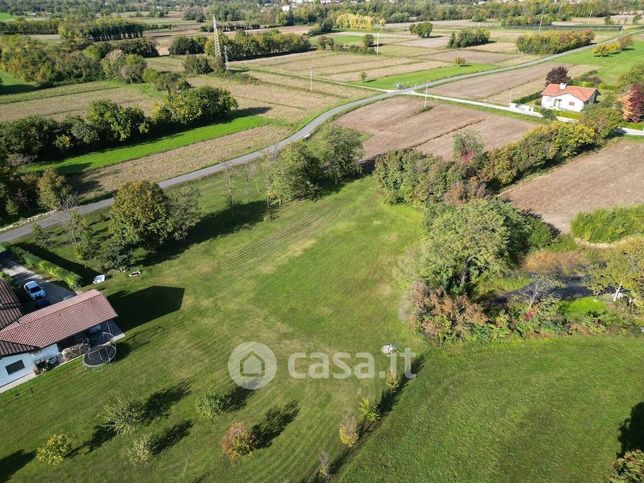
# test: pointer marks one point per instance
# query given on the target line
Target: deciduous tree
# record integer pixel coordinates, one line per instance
(296, 173)
(340, 150)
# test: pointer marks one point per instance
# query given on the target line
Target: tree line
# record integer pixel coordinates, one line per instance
(243, 45)
(34, 61)
(554, 42)
(468, 37)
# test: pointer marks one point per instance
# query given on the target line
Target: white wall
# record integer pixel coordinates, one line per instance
(29, 360)
(566, 102)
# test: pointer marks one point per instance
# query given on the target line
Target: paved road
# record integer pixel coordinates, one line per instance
(305, 132)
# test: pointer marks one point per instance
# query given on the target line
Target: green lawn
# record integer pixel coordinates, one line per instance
(348, 39)
(415, 78)
(119, 154)
(609, 68)
(534, 411)
(13, 85)
(4, 16)
(318, 277)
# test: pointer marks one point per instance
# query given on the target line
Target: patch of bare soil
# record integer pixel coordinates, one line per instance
(500, 84)
(612, 176)
(401, 123)
(158, 167)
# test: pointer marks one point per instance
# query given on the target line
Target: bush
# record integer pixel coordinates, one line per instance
(348, 431)
(369, 411)
(57, 447)
(123, 415)
(629, 468)
(197, 64)
(423, 29)
(195, 106)
(609, 225)
(468, 37)
(238, 441)
(211, 404)
(142, 450)
(541, 233)
(34, 262)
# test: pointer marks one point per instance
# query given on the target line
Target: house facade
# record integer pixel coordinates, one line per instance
(29, 341)
(567, 98)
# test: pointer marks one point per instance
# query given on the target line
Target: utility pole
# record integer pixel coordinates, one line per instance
(215, 34)
(540, 22)
(226, 58)
(378, 40)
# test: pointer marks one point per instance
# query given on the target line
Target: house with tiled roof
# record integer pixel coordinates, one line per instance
(568, 98)
(28, 341)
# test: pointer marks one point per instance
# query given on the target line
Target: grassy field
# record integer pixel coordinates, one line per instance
(316, 278)
(414, 78)
(4, 16)
(609, 68)
(107, 157)
(13, 85)
(510, 412)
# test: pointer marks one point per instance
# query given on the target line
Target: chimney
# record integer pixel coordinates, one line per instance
(562, 86)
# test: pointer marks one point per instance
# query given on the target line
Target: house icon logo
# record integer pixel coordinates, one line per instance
(252, 365)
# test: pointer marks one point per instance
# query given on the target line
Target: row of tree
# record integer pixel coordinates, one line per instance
(30, 27)
(106, 124)
(80, 31)
(554, 42)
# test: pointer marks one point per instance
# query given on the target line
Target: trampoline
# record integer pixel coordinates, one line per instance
(101, 354)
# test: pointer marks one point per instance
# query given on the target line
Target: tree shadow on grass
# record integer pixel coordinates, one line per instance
(213, 225)
(159, 403)
(171, 436)
(100, 435)
(10, 464)
(632, 430)
(274, 422)
(236, 398)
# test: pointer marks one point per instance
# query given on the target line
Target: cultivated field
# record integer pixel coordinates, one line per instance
(612, 176)
(401, 123)
(290, 103)
(60, 102)
(158, 167)
(504, 86)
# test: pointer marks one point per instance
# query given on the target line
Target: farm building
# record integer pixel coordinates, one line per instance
(567, 98)
(33, 341)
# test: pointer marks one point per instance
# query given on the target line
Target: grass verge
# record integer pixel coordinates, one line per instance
(107, 157)
(415, 78)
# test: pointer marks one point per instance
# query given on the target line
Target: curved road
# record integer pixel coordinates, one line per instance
(303, 133)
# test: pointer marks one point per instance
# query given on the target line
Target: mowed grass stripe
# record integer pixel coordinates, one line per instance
(107, 157)
(416, 78)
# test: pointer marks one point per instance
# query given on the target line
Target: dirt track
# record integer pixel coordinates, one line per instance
(400, 123)
(613, 176)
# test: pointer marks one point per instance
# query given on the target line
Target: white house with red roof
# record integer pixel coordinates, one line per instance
(26, 341)
(568, 98)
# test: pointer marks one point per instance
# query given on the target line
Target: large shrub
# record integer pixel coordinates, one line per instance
(57, 447)
(554, 42)
(469, 37)
(238, 441)
(32, 261)
(123, 415)
(296, 173)
(195, 106)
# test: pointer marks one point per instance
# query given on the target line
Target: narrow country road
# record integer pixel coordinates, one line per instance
(55, 219)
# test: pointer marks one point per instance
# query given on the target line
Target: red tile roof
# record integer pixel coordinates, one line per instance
(10, 306)
(59, 321)
(581, 93)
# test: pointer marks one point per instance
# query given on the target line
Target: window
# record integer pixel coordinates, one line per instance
(571, 103)
(15, 367)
